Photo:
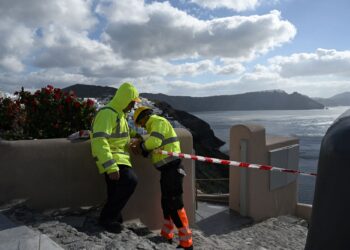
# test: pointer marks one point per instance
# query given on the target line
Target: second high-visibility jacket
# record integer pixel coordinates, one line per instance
(110, 131)
(161, 136)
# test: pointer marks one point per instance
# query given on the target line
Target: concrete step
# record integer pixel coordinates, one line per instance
(15, 237)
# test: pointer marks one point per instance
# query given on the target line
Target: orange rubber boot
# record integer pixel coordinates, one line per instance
(185, 234)
(168, 229)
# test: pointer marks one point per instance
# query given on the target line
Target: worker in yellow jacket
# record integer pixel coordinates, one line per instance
(110, 138)
(163, 136)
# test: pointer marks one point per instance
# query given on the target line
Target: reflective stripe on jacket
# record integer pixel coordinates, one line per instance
(110, 132)
(161, 135)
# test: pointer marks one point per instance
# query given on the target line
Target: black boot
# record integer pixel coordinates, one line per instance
(120, 219)
(112, 227)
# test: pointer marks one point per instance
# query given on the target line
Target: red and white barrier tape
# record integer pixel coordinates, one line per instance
(234, 163)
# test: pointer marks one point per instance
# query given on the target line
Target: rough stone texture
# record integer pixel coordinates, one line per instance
(79, 230)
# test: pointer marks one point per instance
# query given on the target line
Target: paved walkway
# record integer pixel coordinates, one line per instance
(14, 237)
(219, 219)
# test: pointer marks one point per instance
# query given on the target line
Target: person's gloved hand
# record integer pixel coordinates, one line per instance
(135, 146)
(114, 176)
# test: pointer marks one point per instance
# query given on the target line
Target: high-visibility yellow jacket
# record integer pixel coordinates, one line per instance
(110, 131)
(161, 136)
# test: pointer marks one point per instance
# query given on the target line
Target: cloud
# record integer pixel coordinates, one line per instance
(131, 11)
(248, 82)
(320, 74)
(203, 67)
(22, 24)
(322, 62)
(65, 48)
(16, 41)
(171, 33)
(57, 34)
(323, 73)
(159, 47)
(237, 5)
(74, 14)
(35, 80)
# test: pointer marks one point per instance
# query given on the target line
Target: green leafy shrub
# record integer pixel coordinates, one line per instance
(48, 113)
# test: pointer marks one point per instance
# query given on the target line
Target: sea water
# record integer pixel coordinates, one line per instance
(308, 125)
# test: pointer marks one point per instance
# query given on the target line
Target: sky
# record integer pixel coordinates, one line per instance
(177, 47)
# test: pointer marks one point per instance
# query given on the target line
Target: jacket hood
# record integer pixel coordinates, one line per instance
(124, 95)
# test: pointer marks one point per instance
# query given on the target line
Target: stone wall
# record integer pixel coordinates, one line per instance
(57, 173)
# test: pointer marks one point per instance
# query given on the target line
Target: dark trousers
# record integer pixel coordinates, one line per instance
(118, 193)
(171, 180)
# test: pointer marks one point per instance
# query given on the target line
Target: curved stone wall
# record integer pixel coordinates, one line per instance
(56, 173)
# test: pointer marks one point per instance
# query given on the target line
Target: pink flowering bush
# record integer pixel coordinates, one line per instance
(48, 113)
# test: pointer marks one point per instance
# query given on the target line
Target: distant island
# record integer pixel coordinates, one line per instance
(92, 91)
(263, 100)
(342, 99)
